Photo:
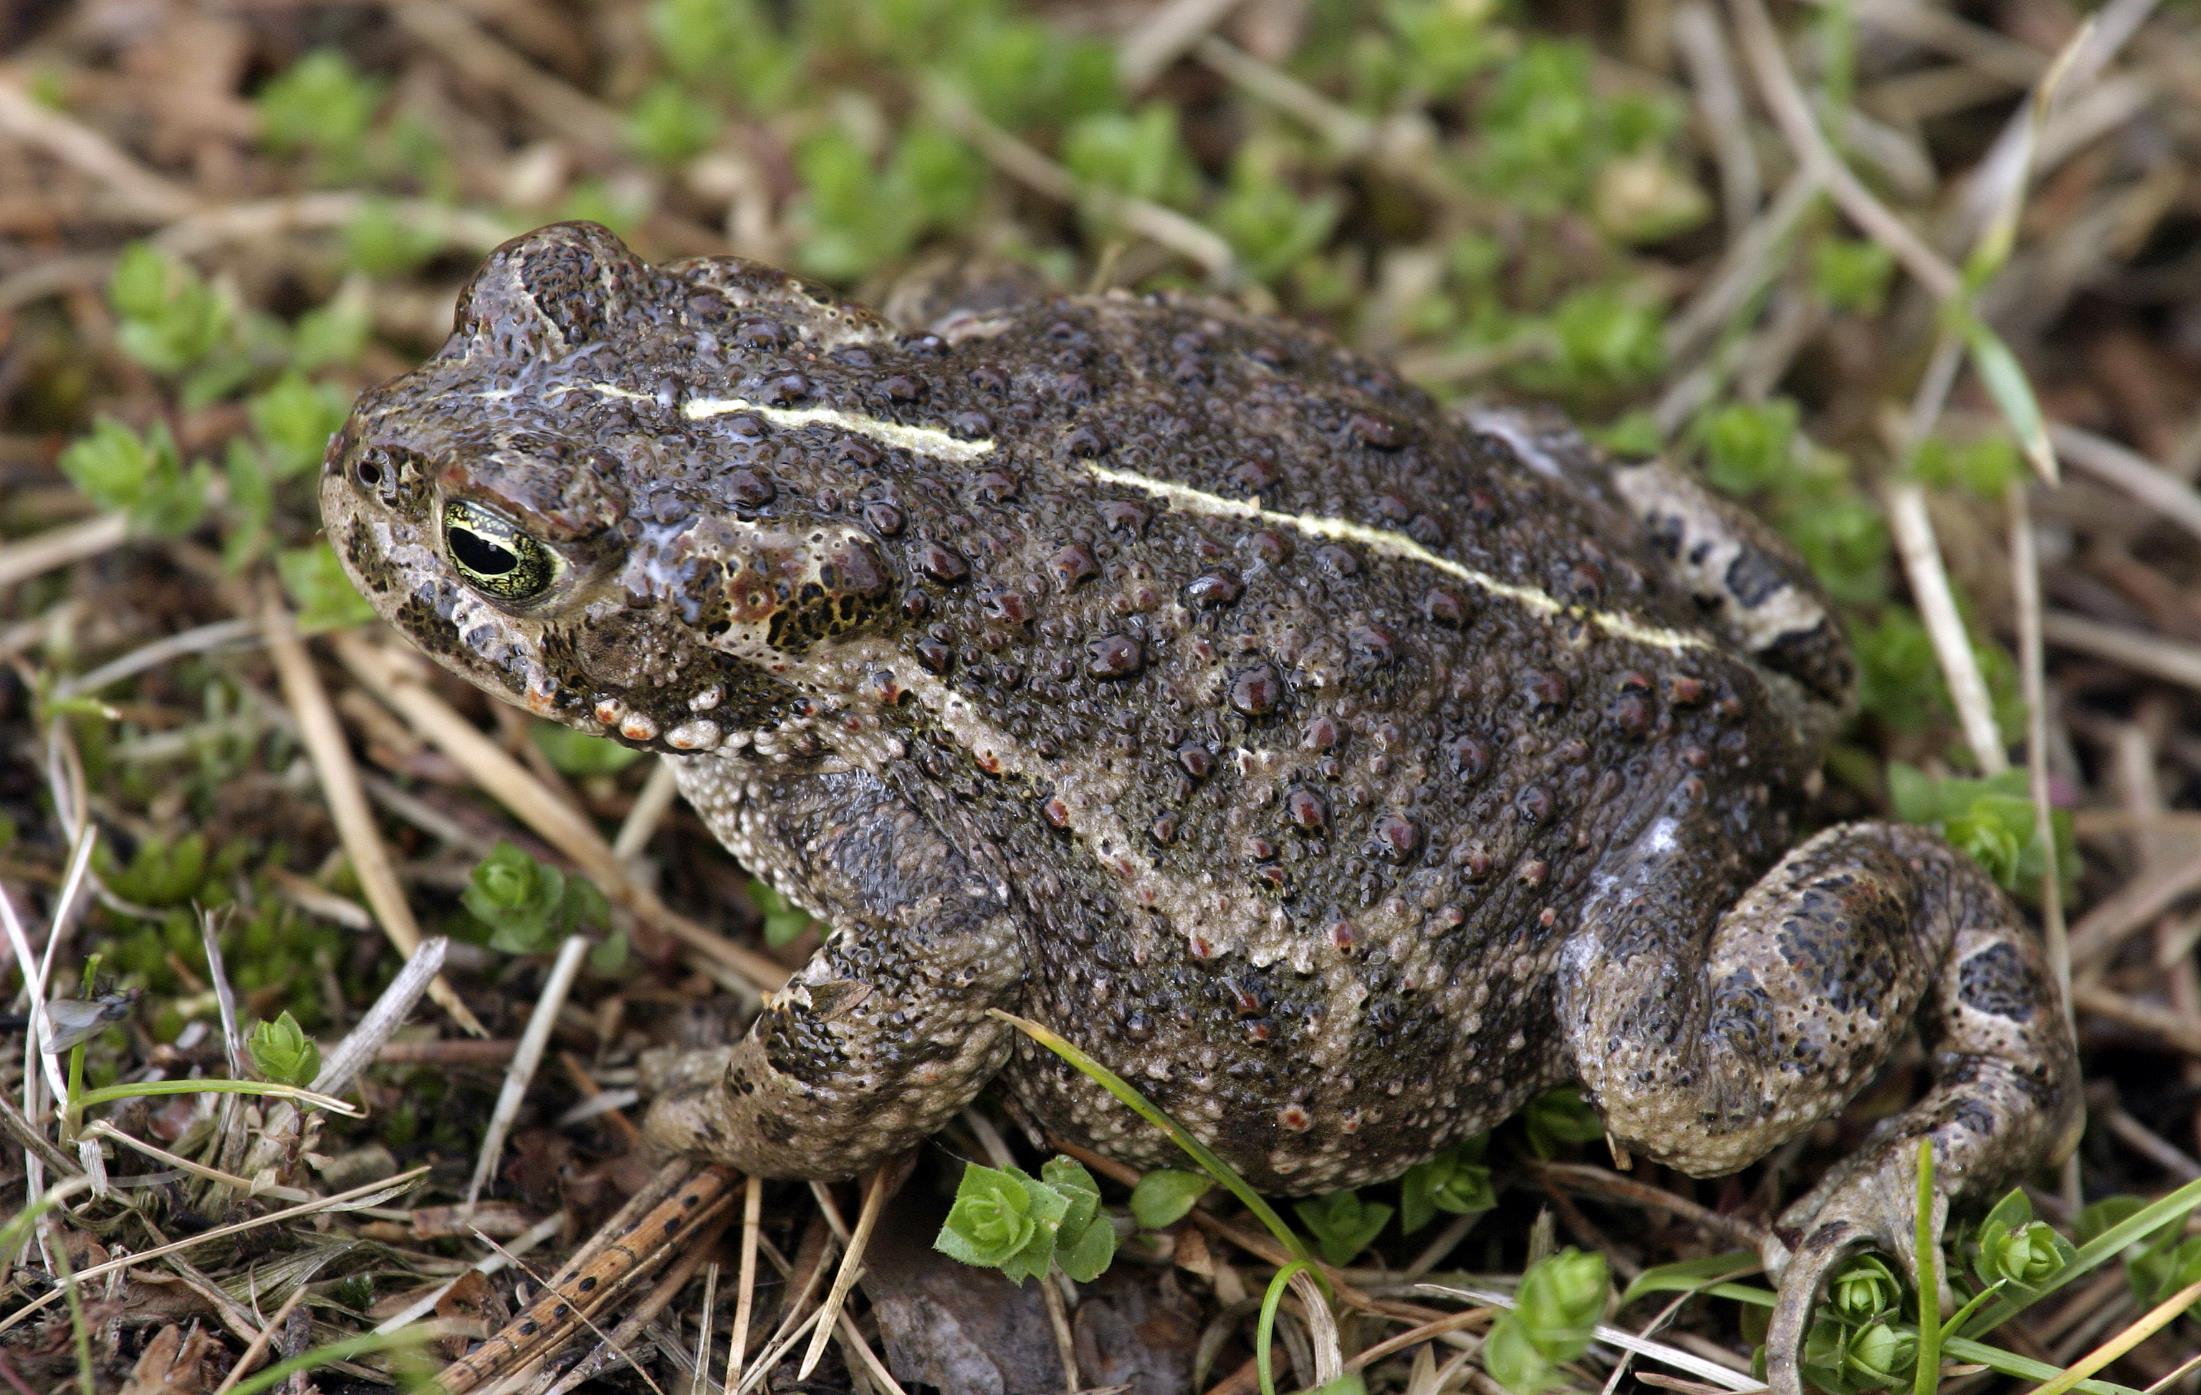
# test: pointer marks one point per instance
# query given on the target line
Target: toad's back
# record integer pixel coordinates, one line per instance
(1328, 705)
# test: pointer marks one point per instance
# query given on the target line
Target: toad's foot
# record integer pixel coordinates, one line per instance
(2003, 1098)
(1705, 1054)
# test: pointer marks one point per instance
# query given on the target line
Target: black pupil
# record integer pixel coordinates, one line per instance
(478, 554)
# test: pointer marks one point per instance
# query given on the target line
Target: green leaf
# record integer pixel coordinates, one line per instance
(1864, 1289)
(1454, 1181)
(526, 904)
(1708, 1274)
(1139, 154)
(171, 319)
(251, 505)
(158, 875)
(1987, 466)
(1342, 1223)
(1555, 1312)
(1513, 1361)
(783, 919)
(333, 335)
(321, 103)
(1851, 274)
(1146, 1109)
(735, 47)
(2005, 381)
(1558, 1119)
(1165, 1196)
(1606, 339)
(295, 419)
(669, 125)
(1748, 445)
(381, 244)
(283, 1053)
(574, 752)
(1085, 1240)
(991, 1220)
(1991, 820)
(317, 585)
(1269, 222)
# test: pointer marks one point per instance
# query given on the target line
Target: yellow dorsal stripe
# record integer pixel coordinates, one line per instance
(925, 440)
(1184, 497)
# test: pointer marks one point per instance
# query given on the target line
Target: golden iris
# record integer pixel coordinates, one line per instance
(495, 557)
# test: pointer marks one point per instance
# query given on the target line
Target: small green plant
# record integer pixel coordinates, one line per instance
(1140, 154)
(1560, 1119)
(1606, 339)
(734, 46)
(1992, 820)
(143, 477)
(314, 580)
(527, 905)
(1985, 465)
(1166, 1196)
(1455, 1181)
(783, 919)
(172, 320)
(1007, 1219)
(1021, 73)
(1271, 223)
(668, 124)
(578, 753)
(294, 419)
(283, 1053)
(1851, 273)
(159, 875)
(1556, 1309)
(380, 243)
(321, 105)
(862, 216)
(1748, 446)
(2014, 1249)
(2158, 1263)
(1342, 1223)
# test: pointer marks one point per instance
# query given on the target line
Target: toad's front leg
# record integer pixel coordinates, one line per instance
(1706, 1052)
(884, 1033)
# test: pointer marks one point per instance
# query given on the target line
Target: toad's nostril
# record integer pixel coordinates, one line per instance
(368, 471)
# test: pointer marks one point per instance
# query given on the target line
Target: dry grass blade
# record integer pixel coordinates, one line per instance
(323, 737)
(2151, 654)
(61, 547)
(737, 1341)
(1761, 45)
(2152, 1321)
(367, 1194)
(259, 1343)
(619, 1261)
(1661, 1352)
(1920, 552)
(852, 1263)
(37, 124)
(524, 1061)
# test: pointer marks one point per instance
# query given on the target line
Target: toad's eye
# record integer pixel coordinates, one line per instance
(495, 557)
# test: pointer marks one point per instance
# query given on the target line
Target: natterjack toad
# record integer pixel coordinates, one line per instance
(1340, 771)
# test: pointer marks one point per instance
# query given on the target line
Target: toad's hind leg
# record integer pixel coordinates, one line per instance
(1705, 1055)
(884, 1033)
